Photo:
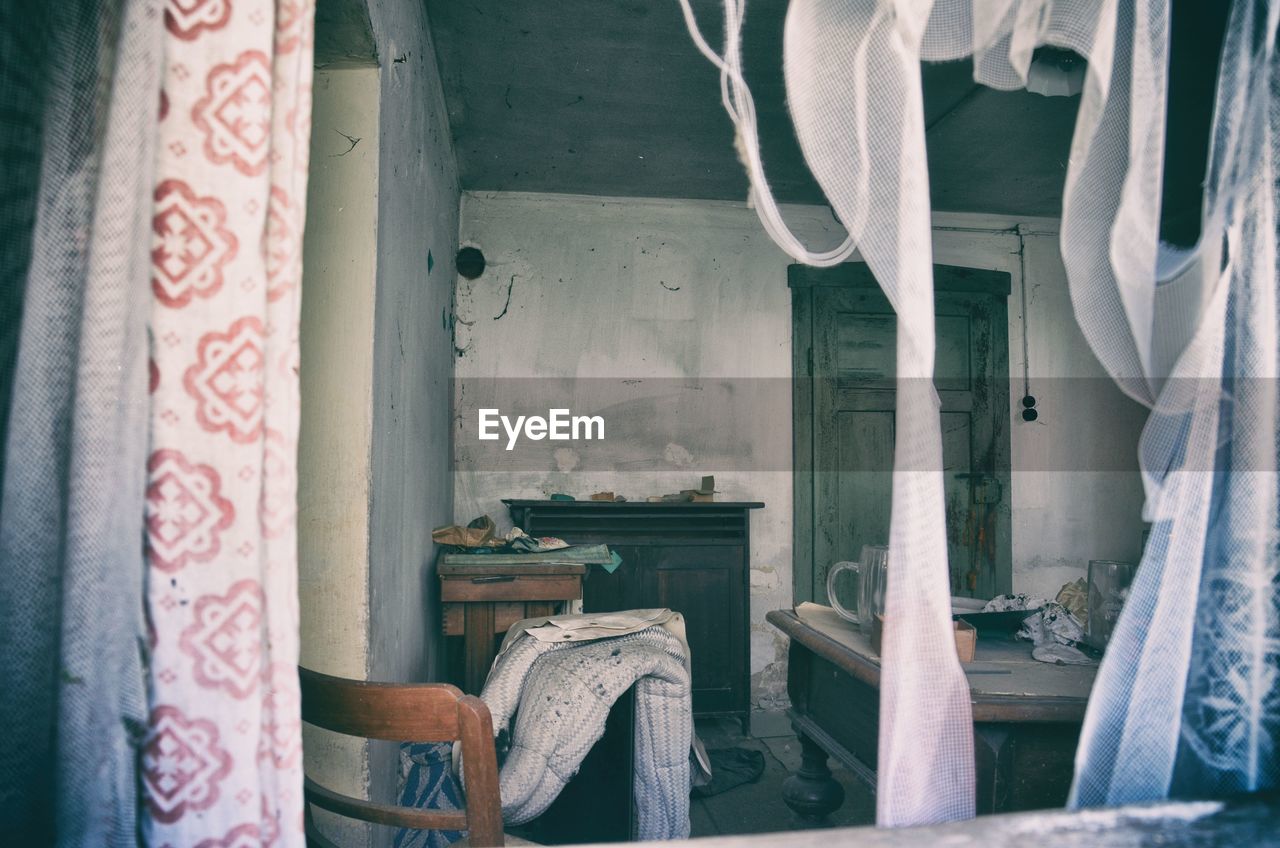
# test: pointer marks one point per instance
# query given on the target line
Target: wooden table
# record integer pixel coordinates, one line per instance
(1026, 715)
(483, 595)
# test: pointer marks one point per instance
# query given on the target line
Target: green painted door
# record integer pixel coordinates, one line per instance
(850, 422)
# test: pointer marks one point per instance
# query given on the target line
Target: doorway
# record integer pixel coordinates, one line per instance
(844, 354)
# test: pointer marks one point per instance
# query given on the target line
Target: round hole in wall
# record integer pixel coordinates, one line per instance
(470, 262)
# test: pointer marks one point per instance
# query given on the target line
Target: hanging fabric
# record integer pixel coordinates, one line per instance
(80, 87)
(222, 762)
(1187, 701)
(1194, 335)
(853, 85)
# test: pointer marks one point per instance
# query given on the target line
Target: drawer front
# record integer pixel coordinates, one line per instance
(639, 526)
(515, 588)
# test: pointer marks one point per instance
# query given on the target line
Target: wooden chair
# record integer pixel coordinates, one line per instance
(423, 712)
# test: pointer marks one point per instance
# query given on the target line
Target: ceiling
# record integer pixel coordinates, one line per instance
(612, 98)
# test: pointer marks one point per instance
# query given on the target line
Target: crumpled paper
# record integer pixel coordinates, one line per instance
(522, 541)
(477, 534)
(1075, 597)
(1010, 603)
(1053, 632)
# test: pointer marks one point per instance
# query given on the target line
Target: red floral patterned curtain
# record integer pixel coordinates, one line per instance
(222, 764)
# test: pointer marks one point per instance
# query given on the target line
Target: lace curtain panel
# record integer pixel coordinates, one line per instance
(79, 94)
(1187, 700)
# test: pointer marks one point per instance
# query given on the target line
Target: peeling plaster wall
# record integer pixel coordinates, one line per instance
(586, 287)
(412, 361)
(1063, 519)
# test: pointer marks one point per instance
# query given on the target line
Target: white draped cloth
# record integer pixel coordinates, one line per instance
(1181, 704)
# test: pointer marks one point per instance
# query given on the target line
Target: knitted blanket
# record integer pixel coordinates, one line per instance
(560, 694)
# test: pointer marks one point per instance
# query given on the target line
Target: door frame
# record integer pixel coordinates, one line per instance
(803, 280)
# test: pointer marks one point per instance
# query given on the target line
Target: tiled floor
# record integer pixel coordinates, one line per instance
(758, 807)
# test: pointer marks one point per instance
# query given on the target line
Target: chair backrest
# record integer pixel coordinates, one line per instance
(421, 712)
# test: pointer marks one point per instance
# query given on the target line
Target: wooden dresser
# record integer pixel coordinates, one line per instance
(690, 557)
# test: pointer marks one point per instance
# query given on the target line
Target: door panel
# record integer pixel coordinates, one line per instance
(957, 458)
(604, 592)
(866, 444)
(865, 351)
(692, 558)
(689, 580)
(866, 354)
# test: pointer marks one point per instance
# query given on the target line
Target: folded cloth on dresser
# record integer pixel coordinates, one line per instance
(559, 677)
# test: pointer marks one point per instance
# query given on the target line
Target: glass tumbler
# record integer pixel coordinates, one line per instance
(1108, 587)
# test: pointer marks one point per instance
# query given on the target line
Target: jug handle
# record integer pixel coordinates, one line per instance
(856, 568)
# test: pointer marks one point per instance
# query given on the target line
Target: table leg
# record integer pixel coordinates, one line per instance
(993, 759)
(479, 641)
(812, 792)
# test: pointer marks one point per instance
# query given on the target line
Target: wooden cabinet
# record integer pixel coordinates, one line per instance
(691, 557)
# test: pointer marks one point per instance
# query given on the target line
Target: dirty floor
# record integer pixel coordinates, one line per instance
(758, 807)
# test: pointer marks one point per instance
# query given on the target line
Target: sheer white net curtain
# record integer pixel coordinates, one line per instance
(1182, 704)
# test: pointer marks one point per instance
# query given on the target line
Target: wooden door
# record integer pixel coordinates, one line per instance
(844, 422)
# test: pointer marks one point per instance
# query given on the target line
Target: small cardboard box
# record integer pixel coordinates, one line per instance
(965, 634)
(706, 493)
(966, 640)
